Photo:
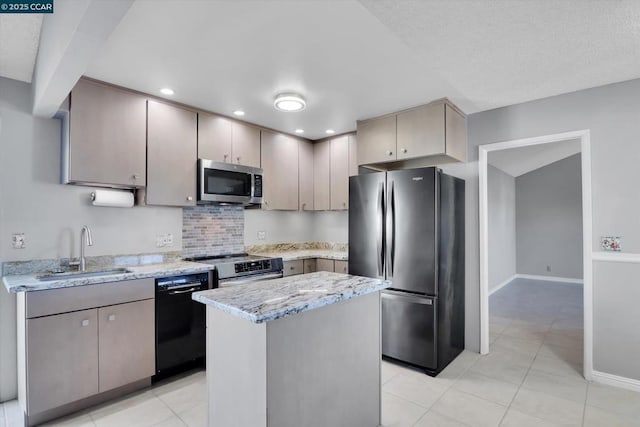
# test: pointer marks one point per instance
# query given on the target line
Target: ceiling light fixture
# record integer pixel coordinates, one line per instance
(299, 130)
(289, 102)
(330, 131)
(166, 91)
(239, 113)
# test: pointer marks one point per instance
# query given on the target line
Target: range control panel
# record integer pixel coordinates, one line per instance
(247, 266)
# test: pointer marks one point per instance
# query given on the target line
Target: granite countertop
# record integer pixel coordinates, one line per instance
(295, 254)
(269, 300)
(30, 282)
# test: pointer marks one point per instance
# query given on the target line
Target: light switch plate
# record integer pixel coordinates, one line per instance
(18, 241)
(611, 243)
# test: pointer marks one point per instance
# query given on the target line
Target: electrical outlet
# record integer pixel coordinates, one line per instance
(169, 239)
(160, 240)
(18, 241)
(611, 243)
(262, 235)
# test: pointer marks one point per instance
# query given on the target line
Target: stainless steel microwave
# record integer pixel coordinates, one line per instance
(228, 183)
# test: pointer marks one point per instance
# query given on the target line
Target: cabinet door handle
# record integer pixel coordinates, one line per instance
(225, 158)
(304, 205)
(238, 158)
(189, 198)
(389, 153)
(85, 322)
(404, 150)
(111, 317)
(135, 176)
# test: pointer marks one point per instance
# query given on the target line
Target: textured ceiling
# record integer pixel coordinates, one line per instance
(19, 37)
(355, 59)
(518, 161)
(503, 52)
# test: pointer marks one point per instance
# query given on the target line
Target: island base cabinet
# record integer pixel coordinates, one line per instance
(316, 368)
(61, 347)
(126, 343)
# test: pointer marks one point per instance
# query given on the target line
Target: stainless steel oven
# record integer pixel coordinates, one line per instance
(228, 183)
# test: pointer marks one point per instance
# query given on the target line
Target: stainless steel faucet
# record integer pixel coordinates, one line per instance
(85, 236)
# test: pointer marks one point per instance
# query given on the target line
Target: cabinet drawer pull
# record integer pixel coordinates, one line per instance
(111, 317)
(225, 158)
(85, 322)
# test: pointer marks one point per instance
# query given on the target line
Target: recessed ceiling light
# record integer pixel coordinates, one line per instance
(299, 130)
(166, 91)
(239, 113)
(289, 102)
(330, 131)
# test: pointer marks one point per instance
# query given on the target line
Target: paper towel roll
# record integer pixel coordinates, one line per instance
(113, 198)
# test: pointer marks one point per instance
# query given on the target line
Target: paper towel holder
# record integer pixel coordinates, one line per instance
(112, 198)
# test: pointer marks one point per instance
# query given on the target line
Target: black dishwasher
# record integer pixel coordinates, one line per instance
(180, 322)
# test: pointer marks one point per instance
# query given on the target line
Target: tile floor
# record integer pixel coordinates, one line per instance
(532, 377)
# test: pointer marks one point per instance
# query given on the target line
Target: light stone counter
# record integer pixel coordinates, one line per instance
(296, 254)
(30, 282)
(272, 299)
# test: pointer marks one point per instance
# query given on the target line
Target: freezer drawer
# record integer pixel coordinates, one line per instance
(409, 325)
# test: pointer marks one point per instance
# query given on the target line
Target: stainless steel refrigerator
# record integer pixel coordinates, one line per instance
(407, 226)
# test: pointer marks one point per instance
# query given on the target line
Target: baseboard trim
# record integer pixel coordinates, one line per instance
(503, 284)
(616, 257)
(550, 278)
(615, 381)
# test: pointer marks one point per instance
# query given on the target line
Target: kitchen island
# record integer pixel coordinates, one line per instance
(298, 351)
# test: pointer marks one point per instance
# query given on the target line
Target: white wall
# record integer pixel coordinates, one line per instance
(549, 220)
(50, 214)
(295, 226)
(502, 226)
(611, 113)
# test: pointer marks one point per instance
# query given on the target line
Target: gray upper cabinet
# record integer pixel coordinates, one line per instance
(279, 159)
(224, 140)
(321, 175)
(353, 155)
(377, 140)
(305, 171)
(421, 132)
(171, 155)
(214, 137)
(62, 359)
(245, 144)
(107, 136)
(339, 172)
(456, 133)
(437, 130)
(126, 343)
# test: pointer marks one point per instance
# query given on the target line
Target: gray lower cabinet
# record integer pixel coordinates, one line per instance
(62, 359)
(341, 267)
(310, 265)
(74, 344)
(126, 343)
(325, 264)
(291, 268)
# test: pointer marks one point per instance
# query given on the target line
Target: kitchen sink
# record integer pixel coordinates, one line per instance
(80, 274)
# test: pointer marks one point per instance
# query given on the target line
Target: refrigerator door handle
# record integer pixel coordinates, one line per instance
(380, 237)
(416, 299)
(392, 251)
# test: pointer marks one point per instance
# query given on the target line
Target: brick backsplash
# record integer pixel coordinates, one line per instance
(212, 230)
